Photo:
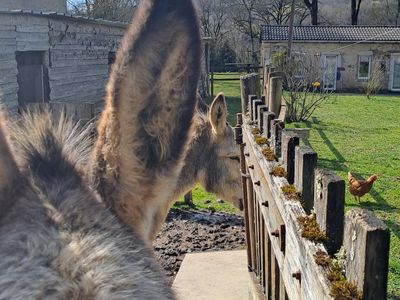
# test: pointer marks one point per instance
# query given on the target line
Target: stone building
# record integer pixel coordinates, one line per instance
(346, 56)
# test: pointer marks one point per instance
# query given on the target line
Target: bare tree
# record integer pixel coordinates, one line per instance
(116, 10)
(213, 15)
(355, 10)
(278, 11)
(312, 5)
(244, 19)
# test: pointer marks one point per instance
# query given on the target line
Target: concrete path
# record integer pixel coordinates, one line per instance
(213, 276)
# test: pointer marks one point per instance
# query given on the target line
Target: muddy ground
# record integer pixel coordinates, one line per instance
(196, 231)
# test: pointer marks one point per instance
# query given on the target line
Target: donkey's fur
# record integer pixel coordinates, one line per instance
(212, 159)
(58, 237)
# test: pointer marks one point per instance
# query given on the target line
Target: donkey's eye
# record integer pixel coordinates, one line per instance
(237, 158)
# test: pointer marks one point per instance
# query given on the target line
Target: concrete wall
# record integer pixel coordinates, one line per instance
(37, 5)
(348, 58)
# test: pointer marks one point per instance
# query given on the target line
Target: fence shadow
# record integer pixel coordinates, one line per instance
(327, 141)
(339, 164)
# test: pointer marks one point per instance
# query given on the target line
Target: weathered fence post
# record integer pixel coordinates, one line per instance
(239, 141)
(256, 104)
(249, 85)
(250, 105)
(305, 164)
(275, 94)
(266, 83)
(276, 136)
(188, 198)
(261, 110)
(289, 142)
(329, 199)
(267, 118)
(366, 242)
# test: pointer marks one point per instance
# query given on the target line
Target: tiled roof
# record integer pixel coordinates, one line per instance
(56, 15)
(332, 33)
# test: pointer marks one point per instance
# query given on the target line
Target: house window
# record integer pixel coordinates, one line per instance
(33, 81)
(364, 66)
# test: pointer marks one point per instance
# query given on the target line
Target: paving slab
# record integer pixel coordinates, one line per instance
(219, 275)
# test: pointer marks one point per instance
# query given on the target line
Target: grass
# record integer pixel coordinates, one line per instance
(352, 133)
(204, 200)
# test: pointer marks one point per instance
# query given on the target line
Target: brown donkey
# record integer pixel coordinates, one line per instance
(58, 237)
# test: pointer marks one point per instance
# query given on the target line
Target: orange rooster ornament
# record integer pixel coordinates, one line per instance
(359, 188)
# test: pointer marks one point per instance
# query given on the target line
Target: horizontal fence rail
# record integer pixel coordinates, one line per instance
(294, 213)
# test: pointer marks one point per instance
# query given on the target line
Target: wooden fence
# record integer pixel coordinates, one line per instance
(296, 224)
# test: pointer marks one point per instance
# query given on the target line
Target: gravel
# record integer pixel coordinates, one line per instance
(187, 231)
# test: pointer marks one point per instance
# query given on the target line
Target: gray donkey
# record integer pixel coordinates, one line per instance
(212, 159)
(59, 239)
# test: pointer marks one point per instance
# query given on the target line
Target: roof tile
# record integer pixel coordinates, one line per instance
(332, 33)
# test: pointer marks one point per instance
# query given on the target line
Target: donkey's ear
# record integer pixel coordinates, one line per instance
(218, 113)
(9, 173)
(151, 96)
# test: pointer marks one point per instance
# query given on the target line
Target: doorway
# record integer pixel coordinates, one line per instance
(330, 70)
(32, 78)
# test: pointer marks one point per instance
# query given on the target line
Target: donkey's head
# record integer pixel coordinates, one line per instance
(213, 156)
(59, 239)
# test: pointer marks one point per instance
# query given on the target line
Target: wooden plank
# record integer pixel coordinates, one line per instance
(267, 118)
(254, 110)
(7, 35)
(263, 251)
(32, 46)
(268, 274)
(78, 62)
(249, 106)
(367, 241)
(249, 85)
(275, 278)
(30, 28)
(239, 140)
(98, 80)
(289, 142)
(33, 37)
(276, 136)
(250, 197)
(261, 110)
(6, 65)
(7, 28)
(305, 163)
(329, 207)
(9, 88)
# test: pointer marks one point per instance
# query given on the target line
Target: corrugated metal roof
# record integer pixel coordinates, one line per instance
(57, 15)
(332, 33)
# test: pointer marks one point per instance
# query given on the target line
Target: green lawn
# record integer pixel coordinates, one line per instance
(352, 133)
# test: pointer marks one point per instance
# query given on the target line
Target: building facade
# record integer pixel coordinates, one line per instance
(345, 57)
(53, 57)
(36, 5)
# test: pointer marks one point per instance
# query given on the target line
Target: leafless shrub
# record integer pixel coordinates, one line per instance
(376, 79)
(302, 83)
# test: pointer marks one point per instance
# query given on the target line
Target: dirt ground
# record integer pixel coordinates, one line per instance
(196, 231)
